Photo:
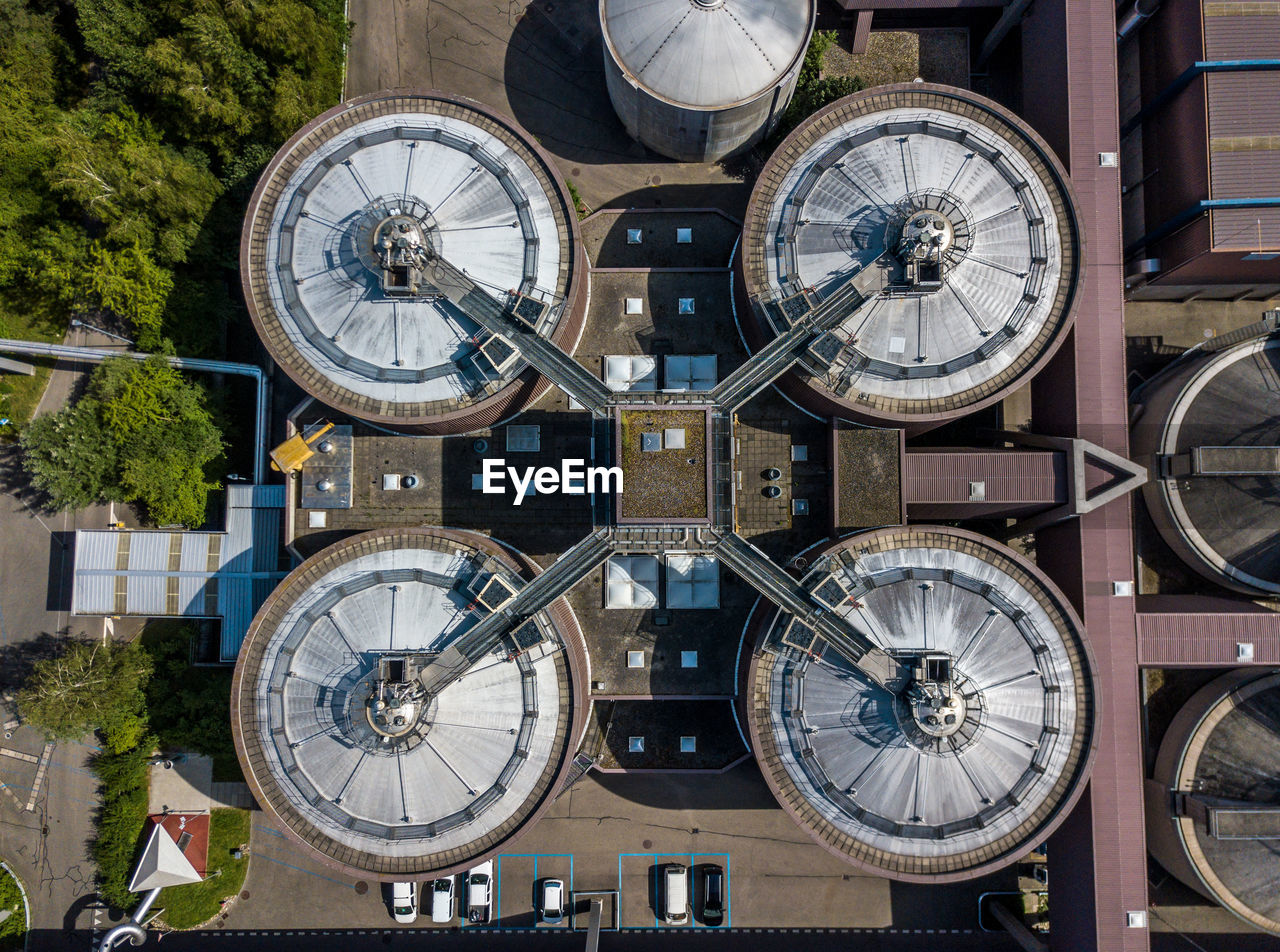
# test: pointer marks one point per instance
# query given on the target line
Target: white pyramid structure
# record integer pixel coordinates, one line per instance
(162, 864)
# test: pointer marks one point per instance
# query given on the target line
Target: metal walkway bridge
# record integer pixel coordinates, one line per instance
(542, 355)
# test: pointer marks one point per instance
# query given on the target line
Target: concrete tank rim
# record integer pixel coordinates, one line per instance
(575, 654)
(1212, 564)
(920, 421)
(458, 419)
(1176, 768)
(761, 616)
(611, 51)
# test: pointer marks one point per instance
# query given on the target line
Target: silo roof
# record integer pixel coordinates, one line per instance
(1230, 765)
(483, 198)
(472, 761)
(706, 53)
(834, 204)
(911, 796)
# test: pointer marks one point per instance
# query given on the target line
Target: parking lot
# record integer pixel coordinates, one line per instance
(641, 891)
(622, 830)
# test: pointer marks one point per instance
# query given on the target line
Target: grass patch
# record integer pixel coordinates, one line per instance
(13, 931)
(669, 483)
(186, 907)
(579, 205)
(38, 320)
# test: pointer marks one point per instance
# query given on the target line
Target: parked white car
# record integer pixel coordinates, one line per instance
(442, 900)
(480, 893)
(552, 900)
(404, 902)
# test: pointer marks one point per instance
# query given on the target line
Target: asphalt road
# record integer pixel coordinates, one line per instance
(46, 847)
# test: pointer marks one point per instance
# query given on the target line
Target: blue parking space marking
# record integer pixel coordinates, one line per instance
(496, 914)
(692, 862)
(721, 859)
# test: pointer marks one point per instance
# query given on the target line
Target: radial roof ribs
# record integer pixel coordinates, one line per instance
(549, 360)
(510, 608)
(764, 575)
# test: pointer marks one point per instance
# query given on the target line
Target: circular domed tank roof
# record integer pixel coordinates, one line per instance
(932, 236)
(1211, 431)
(342, 744)
(969, 760)
(344, 229)
(706, 54)
(1222, 754)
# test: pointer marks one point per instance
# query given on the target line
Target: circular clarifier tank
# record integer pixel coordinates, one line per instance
(1213, 805)
(1210, 433)
(341, 244)
(968, 758)
(928, 238)
(378, 770)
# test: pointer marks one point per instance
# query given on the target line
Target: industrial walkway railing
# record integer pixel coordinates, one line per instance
(96, 355)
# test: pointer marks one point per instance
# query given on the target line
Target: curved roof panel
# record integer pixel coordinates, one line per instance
(706, 53)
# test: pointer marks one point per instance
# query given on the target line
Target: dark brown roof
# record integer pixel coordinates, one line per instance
(1244, 123)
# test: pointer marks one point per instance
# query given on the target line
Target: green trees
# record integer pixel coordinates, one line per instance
(130, 131)
(140, 191)
(812, 90)
(89, 686)
(141, 433)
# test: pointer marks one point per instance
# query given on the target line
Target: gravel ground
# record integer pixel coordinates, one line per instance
(936, 56)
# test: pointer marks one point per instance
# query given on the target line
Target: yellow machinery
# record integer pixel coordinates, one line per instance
(289, 456)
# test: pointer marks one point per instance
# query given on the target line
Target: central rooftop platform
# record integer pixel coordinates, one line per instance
(665, 455)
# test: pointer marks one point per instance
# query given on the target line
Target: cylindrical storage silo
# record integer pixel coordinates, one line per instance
(348, 230)
(373, 770)
(697, 80)
(967, 759)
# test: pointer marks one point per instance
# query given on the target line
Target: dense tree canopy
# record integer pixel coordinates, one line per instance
(130, 132)
(141, 433)
(91, 685)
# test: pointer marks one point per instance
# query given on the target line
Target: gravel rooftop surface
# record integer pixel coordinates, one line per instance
(668, 484)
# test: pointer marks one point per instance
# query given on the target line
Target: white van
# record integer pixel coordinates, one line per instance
(675, 894)
(442, 900)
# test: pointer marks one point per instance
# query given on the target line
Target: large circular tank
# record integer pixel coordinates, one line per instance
(697, 80)
(1213, 805)
(350, 754)
(933, 236)
(971, 762)
(1209, 432)
(344, 233)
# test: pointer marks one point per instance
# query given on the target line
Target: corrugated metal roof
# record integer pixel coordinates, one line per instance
(1234, 31)
(1008, 476)
(187, 574)
(706, 53)
(1244, 123)
(1185, 639)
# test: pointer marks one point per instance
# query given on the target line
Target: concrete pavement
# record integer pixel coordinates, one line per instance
(47, 846)
(542, 64)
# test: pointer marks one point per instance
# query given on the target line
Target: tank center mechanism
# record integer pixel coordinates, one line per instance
(400, 243)
(927, 236)
(396, 706)
(938, 709)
